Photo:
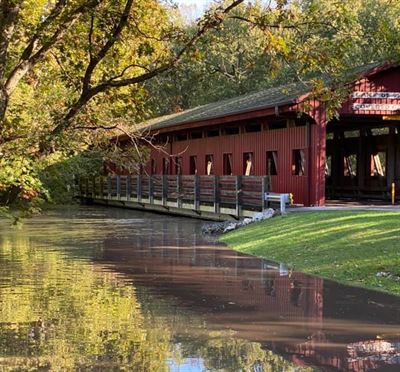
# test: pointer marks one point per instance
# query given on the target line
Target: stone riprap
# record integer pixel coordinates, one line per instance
(226, 226)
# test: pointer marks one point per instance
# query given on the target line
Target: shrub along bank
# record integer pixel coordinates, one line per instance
(356, 247)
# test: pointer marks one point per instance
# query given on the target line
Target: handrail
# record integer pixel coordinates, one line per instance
(237, 193)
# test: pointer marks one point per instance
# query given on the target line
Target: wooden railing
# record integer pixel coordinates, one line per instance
(216, 194)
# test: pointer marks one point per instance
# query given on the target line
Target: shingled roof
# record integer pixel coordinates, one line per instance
(264, 99)
(248, 102)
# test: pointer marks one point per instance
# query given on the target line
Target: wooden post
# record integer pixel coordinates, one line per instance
(151, 190)
(119, 187)
(391, 158)
(238, 193)
(128, 187)
(196, 193)
(179, 191)
(139, 188)
(109, 187)
(216, 194)
(164, 190)
(264, 189)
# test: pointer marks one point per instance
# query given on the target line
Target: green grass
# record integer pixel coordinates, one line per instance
(347, 246)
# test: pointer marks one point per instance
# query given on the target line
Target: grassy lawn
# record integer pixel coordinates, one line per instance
(347, 246)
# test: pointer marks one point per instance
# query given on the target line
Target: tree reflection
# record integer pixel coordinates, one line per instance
(223, 352)
(63, 314)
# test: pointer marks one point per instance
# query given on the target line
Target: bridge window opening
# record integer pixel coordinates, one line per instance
(227, 166)
(165, 166)
(231, 130)
(248, 166)
(278, 124)
(178, 165)
(252, 127)
(209, 165)
(212, 133)
(350, 165)
(153, 168)
(378, 164)
(302, 122)
(193, 164)
(181, 137)
(196, 135)
(272, 163)
(352, 134)
(328, 166)
(299, 163)
(380, 131)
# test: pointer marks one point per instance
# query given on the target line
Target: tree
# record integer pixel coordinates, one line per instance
(70, 68)
(268, 45)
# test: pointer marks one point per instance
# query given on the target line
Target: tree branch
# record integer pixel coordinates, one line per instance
(36, 48)
(209, 22)
(8, 16)
(96, 59)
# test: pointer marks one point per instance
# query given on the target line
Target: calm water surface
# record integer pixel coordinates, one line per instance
(108, 290)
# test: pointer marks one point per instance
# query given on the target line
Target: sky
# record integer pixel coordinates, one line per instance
(199, 3)
(192, 9)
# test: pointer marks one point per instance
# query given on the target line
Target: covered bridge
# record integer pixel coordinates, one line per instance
(284, 133)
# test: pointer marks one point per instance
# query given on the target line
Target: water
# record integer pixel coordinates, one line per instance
(109, 290)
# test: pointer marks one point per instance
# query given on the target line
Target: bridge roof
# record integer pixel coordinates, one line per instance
(264, 99)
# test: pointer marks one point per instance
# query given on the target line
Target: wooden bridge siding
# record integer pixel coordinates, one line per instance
(284, 141)
(233, 193)
(385, 81)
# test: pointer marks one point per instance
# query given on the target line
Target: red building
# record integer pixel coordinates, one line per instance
(284, 133)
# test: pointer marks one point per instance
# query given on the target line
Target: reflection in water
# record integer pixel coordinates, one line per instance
(59, 311)
(110, 290)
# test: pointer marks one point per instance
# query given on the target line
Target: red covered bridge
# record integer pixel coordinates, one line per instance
(356, 155)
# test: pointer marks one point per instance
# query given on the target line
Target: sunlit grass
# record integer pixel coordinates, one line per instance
(348, 246)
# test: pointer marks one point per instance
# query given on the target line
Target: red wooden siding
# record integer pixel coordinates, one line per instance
(385, 81)
(284, 141)
(308, 189)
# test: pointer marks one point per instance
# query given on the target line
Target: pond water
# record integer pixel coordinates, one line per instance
(108, 290)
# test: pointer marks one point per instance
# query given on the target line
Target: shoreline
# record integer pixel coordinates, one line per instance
(359, 248)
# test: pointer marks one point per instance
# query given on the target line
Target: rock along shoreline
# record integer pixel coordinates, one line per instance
(226, 226)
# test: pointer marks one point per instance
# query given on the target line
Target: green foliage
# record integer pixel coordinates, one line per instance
(262, 45)
(59, 174)
(19, 180)
(348, 246)
(77, 90)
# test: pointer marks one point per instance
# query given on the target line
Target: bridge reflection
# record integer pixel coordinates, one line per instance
(309, 320)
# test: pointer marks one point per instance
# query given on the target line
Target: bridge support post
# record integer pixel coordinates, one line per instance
(139, 188)
(196, 193)
(108, 187)
(151, 190)
(264, 189)
(128, 187)
(119, 187)
(238, 192)
(164, 191)
(216, 195)
(179, 191)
